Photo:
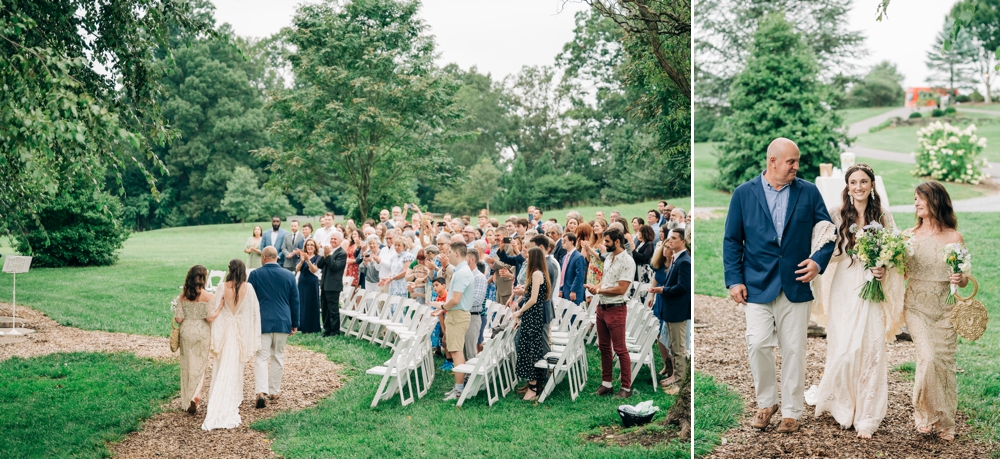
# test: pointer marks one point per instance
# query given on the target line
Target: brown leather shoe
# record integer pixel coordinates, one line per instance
(623, 394)
(763, 417)
(603, 390)
(787, 425)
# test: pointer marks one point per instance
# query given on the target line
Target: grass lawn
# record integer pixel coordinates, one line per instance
(904, 140)
(853, 115)
(978, 362)
(900, 183)
(343, 425)
(718, 409)
(70, 405)
(705, 195)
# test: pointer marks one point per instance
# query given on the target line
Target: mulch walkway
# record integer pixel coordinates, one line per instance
(308, 377)
(722, 353)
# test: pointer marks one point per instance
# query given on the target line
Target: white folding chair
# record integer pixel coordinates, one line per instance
(395, 376)
(483, 371)
(212, 286)
(568, 364)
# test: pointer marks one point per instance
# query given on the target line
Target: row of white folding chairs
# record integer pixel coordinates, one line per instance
(410, 370)
(492, 368)
(570, 357)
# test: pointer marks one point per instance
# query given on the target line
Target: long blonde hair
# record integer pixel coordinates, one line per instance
(658, 259)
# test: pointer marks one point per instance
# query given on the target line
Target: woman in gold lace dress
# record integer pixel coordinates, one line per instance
(928, 317)
(191, 312)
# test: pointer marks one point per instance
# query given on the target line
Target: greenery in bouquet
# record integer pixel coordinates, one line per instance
(959, 260)
(949, 153)
(878, 247)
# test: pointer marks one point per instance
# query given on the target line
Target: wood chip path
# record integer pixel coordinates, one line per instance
(308, 377)
(721, 352)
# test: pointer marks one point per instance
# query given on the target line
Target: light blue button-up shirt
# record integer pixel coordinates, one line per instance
(777, 203)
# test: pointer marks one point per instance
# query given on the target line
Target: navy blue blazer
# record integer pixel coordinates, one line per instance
(676, 294)
(750, 251)
(576, 275)
(278, 296)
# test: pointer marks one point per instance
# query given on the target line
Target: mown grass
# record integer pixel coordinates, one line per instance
(343, 425)
(904, 139)
(853, 115)
(704, 173)
(978, 362)
(71, 405)
(717, 410)
(900, 183)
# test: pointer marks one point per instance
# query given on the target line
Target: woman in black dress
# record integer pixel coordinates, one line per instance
(308, 288)
(532, 339)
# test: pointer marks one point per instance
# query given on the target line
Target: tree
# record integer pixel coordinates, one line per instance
(244, 199)
(79, 227)
(777, 95)
(369, 108)
(982, 20)
(952, 65)
(881, 87)
(474, 192)
(313, 206)
(79, 96)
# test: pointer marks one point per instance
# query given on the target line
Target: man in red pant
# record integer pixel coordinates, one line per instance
(619, 270)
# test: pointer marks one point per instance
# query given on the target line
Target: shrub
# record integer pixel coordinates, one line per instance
(976, 96)
(946, 152)
(885, 124)
(937, 113)
(962, 98)
(916, 115)
(80, 228)
(950, 111)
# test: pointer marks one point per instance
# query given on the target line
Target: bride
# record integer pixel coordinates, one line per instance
(854, 388)
(235, 339)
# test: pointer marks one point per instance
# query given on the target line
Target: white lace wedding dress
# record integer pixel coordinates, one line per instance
(235, 340)
(854, 388)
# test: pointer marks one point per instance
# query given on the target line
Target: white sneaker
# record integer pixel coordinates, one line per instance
(452, 395)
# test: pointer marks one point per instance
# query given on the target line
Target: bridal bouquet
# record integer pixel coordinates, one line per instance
(878, 247)
(960, 260)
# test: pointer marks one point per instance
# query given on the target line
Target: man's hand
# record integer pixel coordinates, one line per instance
(809, 270)
(591, 288)
(572, 296)
(293, 331)
(326, 250)
(738, 293)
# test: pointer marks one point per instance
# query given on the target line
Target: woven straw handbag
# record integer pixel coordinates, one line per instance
(175, 336)
(969, 316)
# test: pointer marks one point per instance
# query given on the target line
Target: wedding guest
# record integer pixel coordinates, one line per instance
(398, 262)
(290, 245)
(279, 317)
(473, 335)
(589, 247)
(235, 340)
(653, 220)
(574, 271)
(531, 339)
(927, 314)
(619, 270)
(643, 253)
(384, 261)
(309, 288)
(333, 263)
(275, 237)
(675, 307)
(369, 267)
(554, 232)
(322, 235)
(637, 223)
(678, 217)
(354, 257)
(460, 299)
(252, 248)
(381, 230)
(417, 277)
(572, 223)
(660, 262)
(191, 312)
(307, 232)
(383, 217)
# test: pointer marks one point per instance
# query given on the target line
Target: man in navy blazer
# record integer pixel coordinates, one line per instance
(675, 308)
(574, 271)
(275, 237)
(768, 266)
(278, 296)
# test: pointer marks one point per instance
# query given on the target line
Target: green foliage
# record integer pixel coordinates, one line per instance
(884, 125)
(554, 190)
(708, 125)
(244, 199)
(369, 109)
(79, 95)
(881, 87)
(952, 65)
(937, 113)
(313, 206)
(79, 227)
(717, 410)
(950, 153)
(276, 204)
(950, 111)
(777, 95)
(73, 405)
(475, 192)
(915, 115)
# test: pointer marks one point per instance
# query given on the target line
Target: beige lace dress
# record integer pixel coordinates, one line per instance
(196, 336)
(935, 396)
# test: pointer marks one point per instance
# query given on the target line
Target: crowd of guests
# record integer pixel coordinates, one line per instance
(453, 264)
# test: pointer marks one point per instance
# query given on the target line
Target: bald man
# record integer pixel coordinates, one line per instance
(768, 266)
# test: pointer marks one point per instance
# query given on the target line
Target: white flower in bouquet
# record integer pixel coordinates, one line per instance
(958, 258)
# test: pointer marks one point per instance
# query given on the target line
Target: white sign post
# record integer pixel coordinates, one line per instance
(15, 265)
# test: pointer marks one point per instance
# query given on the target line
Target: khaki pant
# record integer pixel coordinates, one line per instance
(272, 351)
(783, 324)
(678, 343)
(456, 324)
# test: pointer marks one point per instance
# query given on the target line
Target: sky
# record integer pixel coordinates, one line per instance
(496, 36)
(905, 37)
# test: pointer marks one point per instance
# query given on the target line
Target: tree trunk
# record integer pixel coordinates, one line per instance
(680, 412)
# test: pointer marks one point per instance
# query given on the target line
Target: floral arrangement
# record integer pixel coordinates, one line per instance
(878, 247)
(959, 260)
(946, 152)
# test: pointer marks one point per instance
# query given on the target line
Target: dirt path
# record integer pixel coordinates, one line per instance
(308, 377)
(721, 352)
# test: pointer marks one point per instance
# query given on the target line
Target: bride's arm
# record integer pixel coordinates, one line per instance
(218, 305)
